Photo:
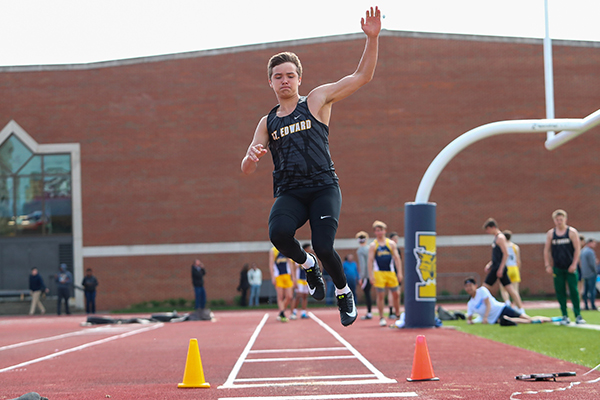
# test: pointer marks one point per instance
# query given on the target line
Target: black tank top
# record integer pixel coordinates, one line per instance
(299, 146)
(496, 254)
(562, 250)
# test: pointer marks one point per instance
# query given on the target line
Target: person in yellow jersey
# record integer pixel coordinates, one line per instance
(281, 269)
(300, 287)
(385, 268)
(513, 266)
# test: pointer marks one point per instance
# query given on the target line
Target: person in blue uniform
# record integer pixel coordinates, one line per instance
(305, 184)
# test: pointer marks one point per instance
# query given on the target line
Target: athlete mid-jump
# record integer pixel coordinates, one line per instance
(305, 184)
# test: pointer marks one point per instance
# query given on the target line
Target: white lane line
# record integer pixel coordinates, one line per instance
(238, 365)
(83, 346)
(343, 341)
(304, 378)
(298, 350)
(327, 396)
(57, 337)
(355, 382)
(283, 359)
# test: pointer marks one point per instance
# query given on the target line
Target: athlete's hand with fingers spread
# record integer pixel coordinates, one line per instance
(371, 24)
(256, 152)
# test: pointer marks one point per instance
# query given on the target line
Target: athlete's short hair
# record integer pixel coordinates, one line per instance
(379, 224)
(507, 233)
(558, 212)
(282, 58)
(490, 223)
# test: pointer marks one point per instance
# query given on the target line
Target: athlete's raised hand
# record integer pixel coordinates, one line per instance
(371, 24)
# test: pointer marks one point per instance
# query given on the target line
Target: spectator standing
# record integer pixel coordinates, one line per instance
(64, 282)
(513, 266)
(385, 268)
(362, 254)
(561, 256)
(198, 273)
(496, 268)
(89, 284)
(37, 287)
(300, 287)
(244, 285)
(255, 281)
(396, 238)
(589, 274)
(281, 270)
(351, 271)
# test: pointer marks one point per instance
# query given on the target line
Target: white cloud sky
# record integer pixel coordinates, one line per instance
(83, 31)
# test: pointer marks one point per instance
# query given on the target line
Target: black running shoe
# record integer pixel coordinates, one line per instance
(314, 278)
(347, 308)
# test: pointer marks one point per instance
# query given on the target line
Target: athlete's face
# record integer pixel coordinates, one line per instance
(379, 232)
(285, 80)
(560, 220)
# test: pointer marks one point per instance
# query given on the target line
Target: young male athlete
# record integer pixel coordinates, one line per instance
(513, 266)
(561, 256)
(305, 184)
(496, 268)
(385, 268)
(281, 269)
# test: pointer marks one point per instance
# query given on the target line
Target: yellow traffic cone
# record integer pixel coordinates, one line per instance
(193, 376)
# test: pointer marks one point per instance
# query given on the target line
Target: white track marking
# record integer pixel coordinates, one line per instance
(327, 396)
(58, 337)
(236, 368)
(304, 378)
(562, 389)
(283, 359)
(299, 350)
(375, 377)
(362, 359)
(83, 346)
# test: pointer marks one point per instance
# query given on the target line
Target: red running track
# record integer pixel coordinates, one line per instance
(246, 355)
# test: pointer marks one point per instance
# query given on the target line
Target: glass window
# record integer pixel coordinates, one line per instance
(14, 154)
(6, 206)
(29, 216)
(33, 166)
(57, 164)
(35, 191)
(57, 203)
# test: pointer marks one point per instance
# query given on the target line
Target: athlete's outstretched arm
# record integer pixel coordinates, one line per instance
(257, 148)
(322, 97)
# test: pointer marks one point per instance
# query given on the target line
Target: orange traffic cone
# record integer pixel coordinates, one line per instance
(422, 369)
(193, 376)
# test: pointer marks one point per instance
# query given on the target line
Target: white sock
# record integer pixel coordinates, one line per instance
(309, 263)
(343, 290)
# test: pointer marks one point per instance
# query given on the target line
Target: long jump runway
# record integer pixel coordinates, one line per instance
(250, 355)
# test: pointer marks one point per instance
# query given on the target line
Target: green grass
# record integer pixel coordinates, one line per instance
(579, 346)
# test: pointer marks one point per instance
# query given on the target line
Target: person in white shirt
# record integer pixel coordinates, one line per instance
(255, 281)
(491, 310)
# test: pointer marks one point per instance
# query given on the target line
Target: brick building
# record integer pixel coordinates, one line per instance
(155, 146)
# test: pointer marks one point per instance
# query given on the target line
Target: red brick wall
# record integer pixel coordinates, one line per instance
(161, 144)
